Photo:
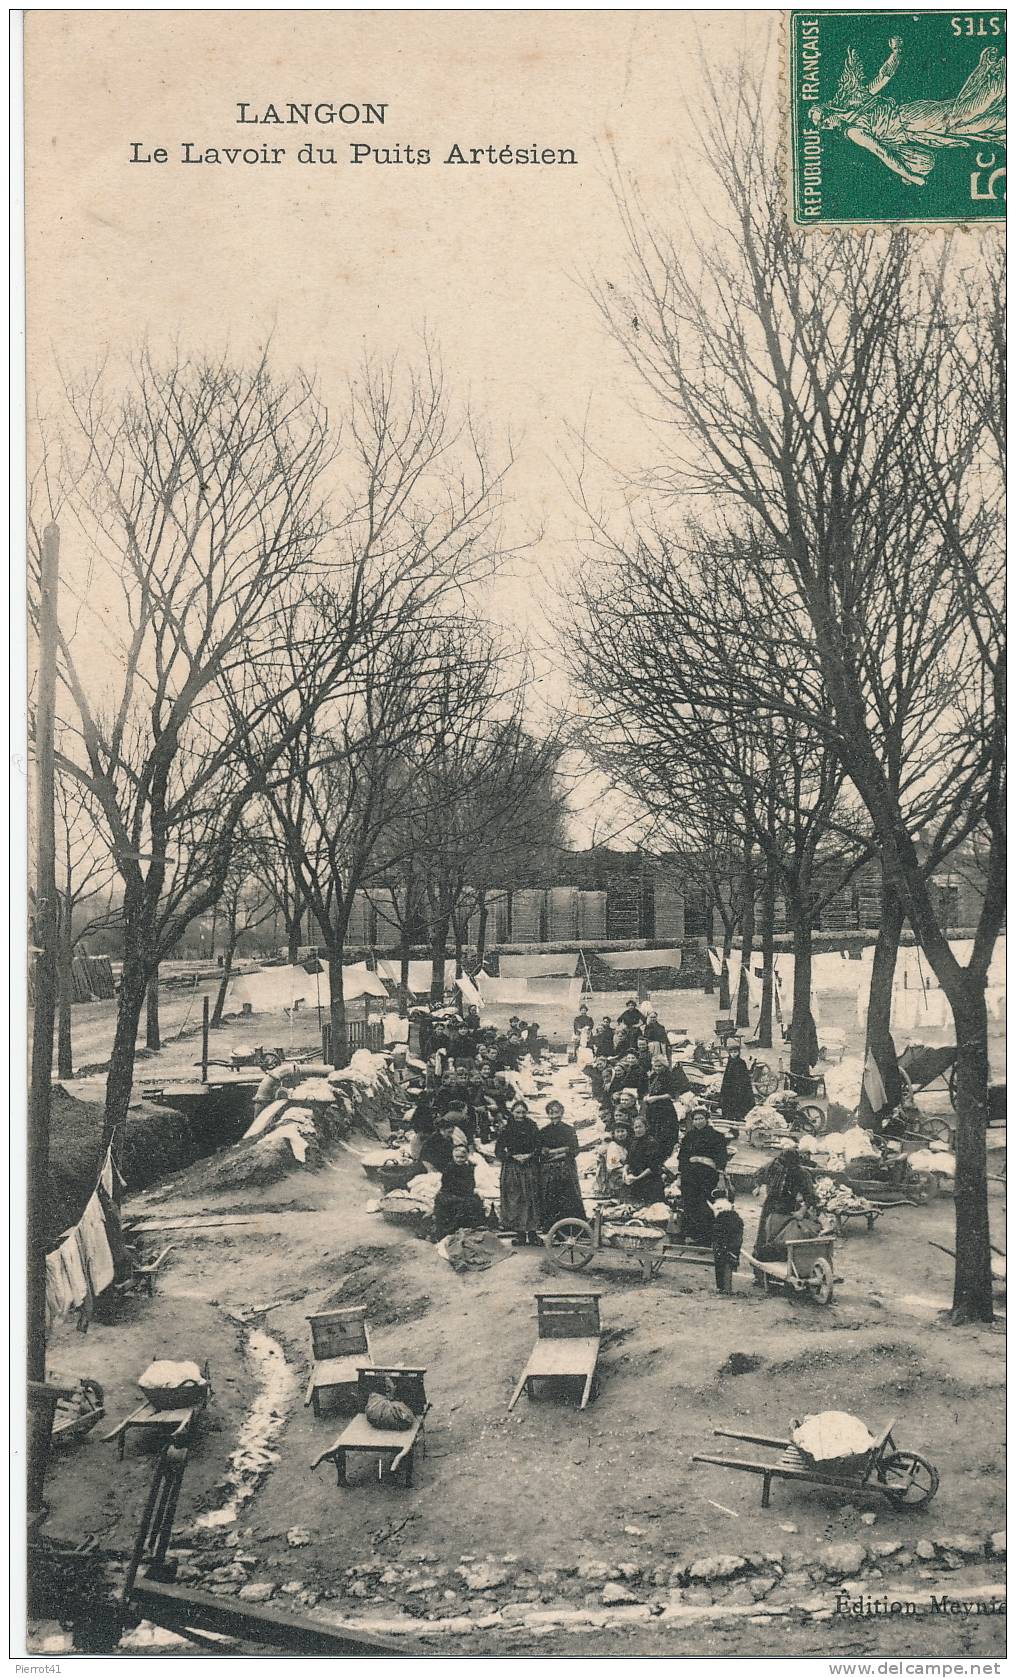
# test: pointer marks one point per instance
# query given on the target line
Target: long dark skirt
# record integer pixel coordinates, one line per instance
(457, 1211)
(697, 1184)
(560, 1194)
(776, 1227)
(520, 1195)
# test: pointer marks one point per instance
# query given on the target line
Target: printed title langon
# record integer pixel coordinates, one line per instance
(347, 114)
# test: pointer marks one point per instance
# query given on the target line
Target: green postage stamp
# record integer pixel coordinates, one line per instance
(896, 117)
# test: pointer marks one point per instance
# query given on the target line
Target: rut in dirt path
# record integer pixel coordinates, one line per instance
(253, 1458)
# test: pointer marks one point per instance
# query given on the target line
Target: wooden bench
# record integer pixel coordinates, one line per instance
(567, 1345)
(392, 1448)
(341, 1347)
(144, 1274)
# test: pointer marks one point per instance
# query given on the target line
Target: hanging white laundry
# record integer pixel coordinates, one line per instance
(59, 1293)
(95, 1242)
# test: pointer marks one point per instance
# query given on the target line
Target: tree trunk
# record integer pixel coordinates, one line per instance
(743, 1017)
(404, 948)
(765, 1024)
(481, 932)
(878, 1040)
(120, 1072)
(972, 1300)
(459, 942)
(709, 987)
(803, 1026)
(337, 1010)
(64, 991)
(152, 1037)
(227, 968)
(438, 941)
(728, 944)
(293, 928)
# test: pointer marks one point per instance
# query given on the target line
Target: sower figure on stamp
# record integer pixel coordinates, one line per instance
(906, 137)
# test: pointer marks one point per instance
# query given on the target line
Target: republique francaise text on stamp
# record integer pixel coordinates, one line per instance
(897, 117)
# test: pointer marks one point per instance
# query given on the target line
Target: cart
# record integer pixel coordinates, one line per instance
(808, 1269)
(78, 1410)
(905, 1479)
(573, 1242)
(917, 1189)
(923, 1067)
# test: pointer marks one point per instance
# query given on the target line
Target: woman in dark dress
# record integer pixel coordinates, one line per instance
(700, 1159)
(643, 1174)
(518, 1149)
(560, 1195)
(737, 1096)
(457, 1204)
(664, 1124)
(789, 1194)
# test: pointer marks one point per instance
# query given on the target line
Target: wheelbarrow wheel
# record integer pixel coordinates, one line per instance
(907, 1480)
(820, 1282)
(570, 1243)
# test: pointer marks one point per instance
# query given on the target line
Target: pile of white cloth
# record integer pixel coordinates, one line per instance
(839, 1149)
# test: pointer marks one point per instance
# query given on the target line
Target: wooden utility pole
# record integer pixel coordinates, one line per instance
(46, 933)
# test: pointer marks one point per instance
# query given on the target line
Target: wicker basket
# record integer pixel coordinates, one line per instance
(413, 1216)
(184, 1395)
(637, 1240)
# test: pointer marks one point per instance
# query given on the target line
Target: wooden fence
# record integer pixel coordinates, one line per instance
(91, 980)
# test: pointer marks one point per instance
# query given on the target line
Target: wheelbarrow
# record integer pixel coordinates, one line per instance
(923, 1067)
(572, 1243)
(905, 1479)
(808, 1269)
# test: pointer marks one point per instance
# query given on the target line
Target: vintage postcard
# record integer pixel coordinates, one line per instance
(516, 1128)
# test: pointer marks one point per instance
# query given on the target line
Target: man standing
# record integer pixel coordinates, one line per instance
(632, 1015)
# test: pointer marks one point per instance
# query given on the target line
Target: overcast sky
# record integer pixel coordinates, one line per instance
(489, 259)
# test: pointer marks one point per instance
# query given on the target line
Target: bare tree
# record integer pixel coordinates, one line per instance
(477, 773)
(193, 501)
(280, 875)
(85, 875)
(678, 729)
(421, 532)
(245, 906)
(831, 396)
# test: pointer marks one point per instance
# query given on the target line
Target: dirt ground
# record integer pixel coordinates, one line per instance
(539, 1492)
